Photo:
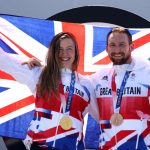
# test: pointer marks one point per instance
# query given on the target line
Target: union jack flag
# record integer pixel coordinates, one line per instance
(22, 38)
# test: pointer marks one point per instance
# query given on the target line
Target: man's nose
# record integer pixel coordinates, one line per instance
(117, 49)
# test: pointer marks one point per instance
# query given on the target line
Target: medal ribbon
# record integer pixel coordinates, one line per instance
(124, 81)
(119, 99)
(70, 94)
(114, 89)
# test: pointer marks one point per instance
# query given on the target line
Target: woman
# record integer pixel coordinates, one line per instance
(63, 97)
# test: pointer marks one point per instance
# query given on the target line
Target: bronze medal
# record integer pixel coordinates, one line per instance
(116, 119)
(65, 123)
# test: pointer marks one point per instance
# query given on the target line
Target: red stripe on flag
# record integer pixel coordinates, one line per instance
(19, 47)
(141, 41)
(79, 32)
(147, 130)
(17, 105)
(47, 133)
(4, 75)
(119, 137)
(104, 61)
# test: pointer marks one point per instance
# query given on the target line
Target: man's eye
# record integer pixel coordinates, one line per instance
(122, 45)
(112, 45)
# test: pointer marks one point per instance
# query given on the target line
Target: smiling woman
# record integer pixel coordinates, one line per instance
(66, 53)
(63, 98)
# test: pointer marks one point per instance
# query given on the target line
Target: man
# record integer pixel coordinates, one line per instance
(123, 95)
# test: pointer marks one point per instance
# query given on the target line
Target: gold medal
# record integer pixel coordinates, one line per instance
(116, 119)
(65, 123)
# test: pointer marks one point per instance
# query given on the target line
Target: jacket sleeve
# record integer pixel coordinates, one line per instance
(93, 105)
(20, 72)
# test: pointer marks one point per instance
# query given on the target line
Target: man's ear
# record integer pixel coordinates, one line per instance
(132, 47)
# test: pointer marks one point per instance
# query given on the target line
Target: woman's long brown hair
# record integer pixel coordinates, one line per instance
(50, 77)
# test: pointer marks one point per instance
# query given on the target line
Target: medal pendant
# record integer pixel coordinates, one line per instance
(116, 119)
(65, 123)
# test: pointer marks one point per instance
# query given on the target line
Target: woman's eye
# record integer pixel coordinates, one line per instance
(69, 49)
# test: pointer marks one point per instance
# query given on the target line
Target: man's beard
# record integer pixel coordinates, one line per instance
(123, 60)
